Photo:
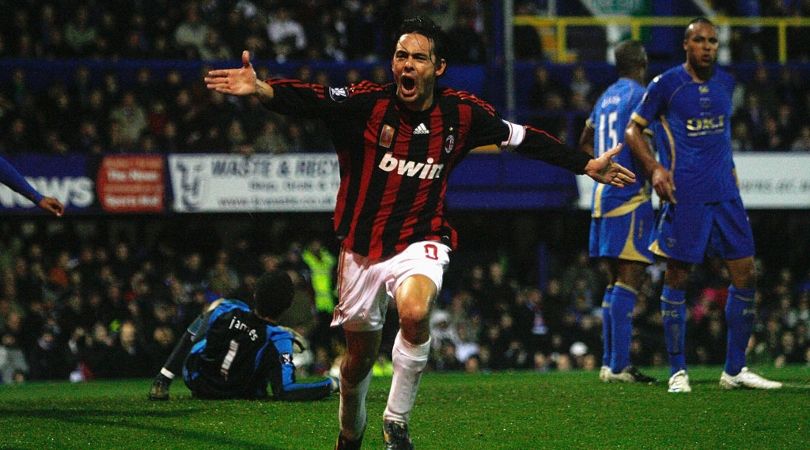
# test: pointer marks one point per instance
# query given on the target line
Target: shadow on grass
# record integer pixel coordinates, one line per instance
(127, 420)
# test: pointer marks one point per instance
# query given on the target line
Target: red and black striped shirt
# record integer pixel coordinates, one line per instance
(395, 163)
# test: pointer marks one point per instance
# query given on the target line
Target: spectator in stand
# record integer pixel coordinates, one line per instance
(213, 48)
(236, 138)
(191, 33)
(753, 114)
(741, 137)
(321, 264)
(80, 34)
(144, 87)
(18, 138)
(527, 41)
(764, 87)
(130, 117)
(802, 142)
(769, 138)
(580, 83)
(12, 360)
(81, 87)
(359, 33)
(544, 87)
(786, 124)
(271, 140)
(128, 358)
(234, 32)
(48, 359)
(286, 35)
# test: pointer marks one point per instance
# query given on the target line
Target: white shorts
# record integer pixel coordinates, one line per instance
(365, 287)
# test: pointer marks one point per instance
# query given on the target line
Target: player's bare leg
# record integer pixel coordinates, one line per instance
(410, 355)
(355, 376)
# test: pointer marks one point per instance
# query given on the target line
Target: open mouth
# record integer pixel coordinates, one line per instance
(408, 86)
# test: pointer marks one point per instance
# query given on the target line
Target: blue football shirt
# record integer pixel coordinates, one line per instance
(609, 118)
(696, 120)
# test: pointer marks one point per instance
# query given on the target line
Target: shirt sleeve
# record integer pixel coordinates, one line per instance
(294, 97)
(652, 102)
(489, 129)
(286, 388)
(14, 180)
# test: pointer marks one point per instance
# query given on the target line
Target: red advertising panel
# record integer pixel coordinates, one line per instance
(131, 183)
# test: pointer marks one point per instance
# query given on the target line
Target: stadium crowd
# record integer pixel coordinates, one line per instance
(83, 305)
(90, 112)
(175, 115)
(74, 306)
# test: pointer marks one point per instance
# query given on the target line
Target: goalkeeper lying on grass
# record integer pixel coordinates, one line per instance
(233, 351)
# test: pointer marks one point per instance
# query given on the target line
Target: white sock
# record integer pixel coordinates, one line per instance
(409, 362)
(352, 413)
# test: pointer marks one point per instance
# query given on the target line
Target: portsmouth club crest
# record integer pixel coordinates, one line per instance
(449, 142)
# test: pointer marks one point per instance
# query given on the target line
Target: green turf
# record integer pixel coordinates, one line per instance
(521, 410)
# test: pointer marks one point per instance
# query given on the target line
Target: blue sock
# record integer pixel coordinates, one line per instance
(621, 315)
(606, 327)
(673, 310)
(740, 313)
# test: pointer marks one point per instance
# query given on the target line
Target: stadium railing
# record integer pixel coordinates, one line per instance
(561, 26)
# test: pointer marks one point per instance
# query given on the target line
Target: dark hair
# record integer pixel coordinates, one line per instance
(427, 28)
(273, 295)
(694, 21)
(630, 56)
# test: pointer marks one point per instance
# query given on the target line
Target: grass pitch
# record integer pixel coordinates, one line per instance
(521, 410)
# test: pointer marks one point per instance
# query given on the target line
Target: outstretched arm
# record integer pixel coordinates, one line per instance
(604, 170)
(282, 376)
(622, 175)
(52, 205)
(239, 81)
(537, 144)
(13, 179)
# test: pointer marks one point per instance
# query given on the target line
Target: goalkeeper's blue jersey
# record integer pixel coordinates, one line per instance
(608, 119)
(696, 120)
(236, 354)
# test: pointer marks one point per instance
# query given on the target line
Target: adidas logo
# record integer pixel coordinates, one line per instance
(421, 129)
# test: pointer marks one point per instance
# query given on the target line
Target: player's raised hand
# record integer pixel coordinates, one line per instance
(663, 184)
(605, 170)
(239, 81)
(52, 205)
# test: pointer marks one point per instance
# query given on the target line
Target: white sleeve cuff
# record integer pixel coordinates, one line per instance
(516, 135)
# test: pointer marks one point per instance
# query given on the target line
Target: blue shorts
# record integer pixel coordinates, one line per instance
(689, 231)
(623, 237)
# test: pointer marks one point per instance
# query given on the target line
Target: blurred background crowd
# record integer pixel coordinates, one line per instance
(84, 301)
(152, 107)
(92, 298)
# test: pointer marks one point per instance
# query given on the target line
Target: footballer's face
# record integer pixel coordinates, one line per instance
(415, 69)
(701, 45)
